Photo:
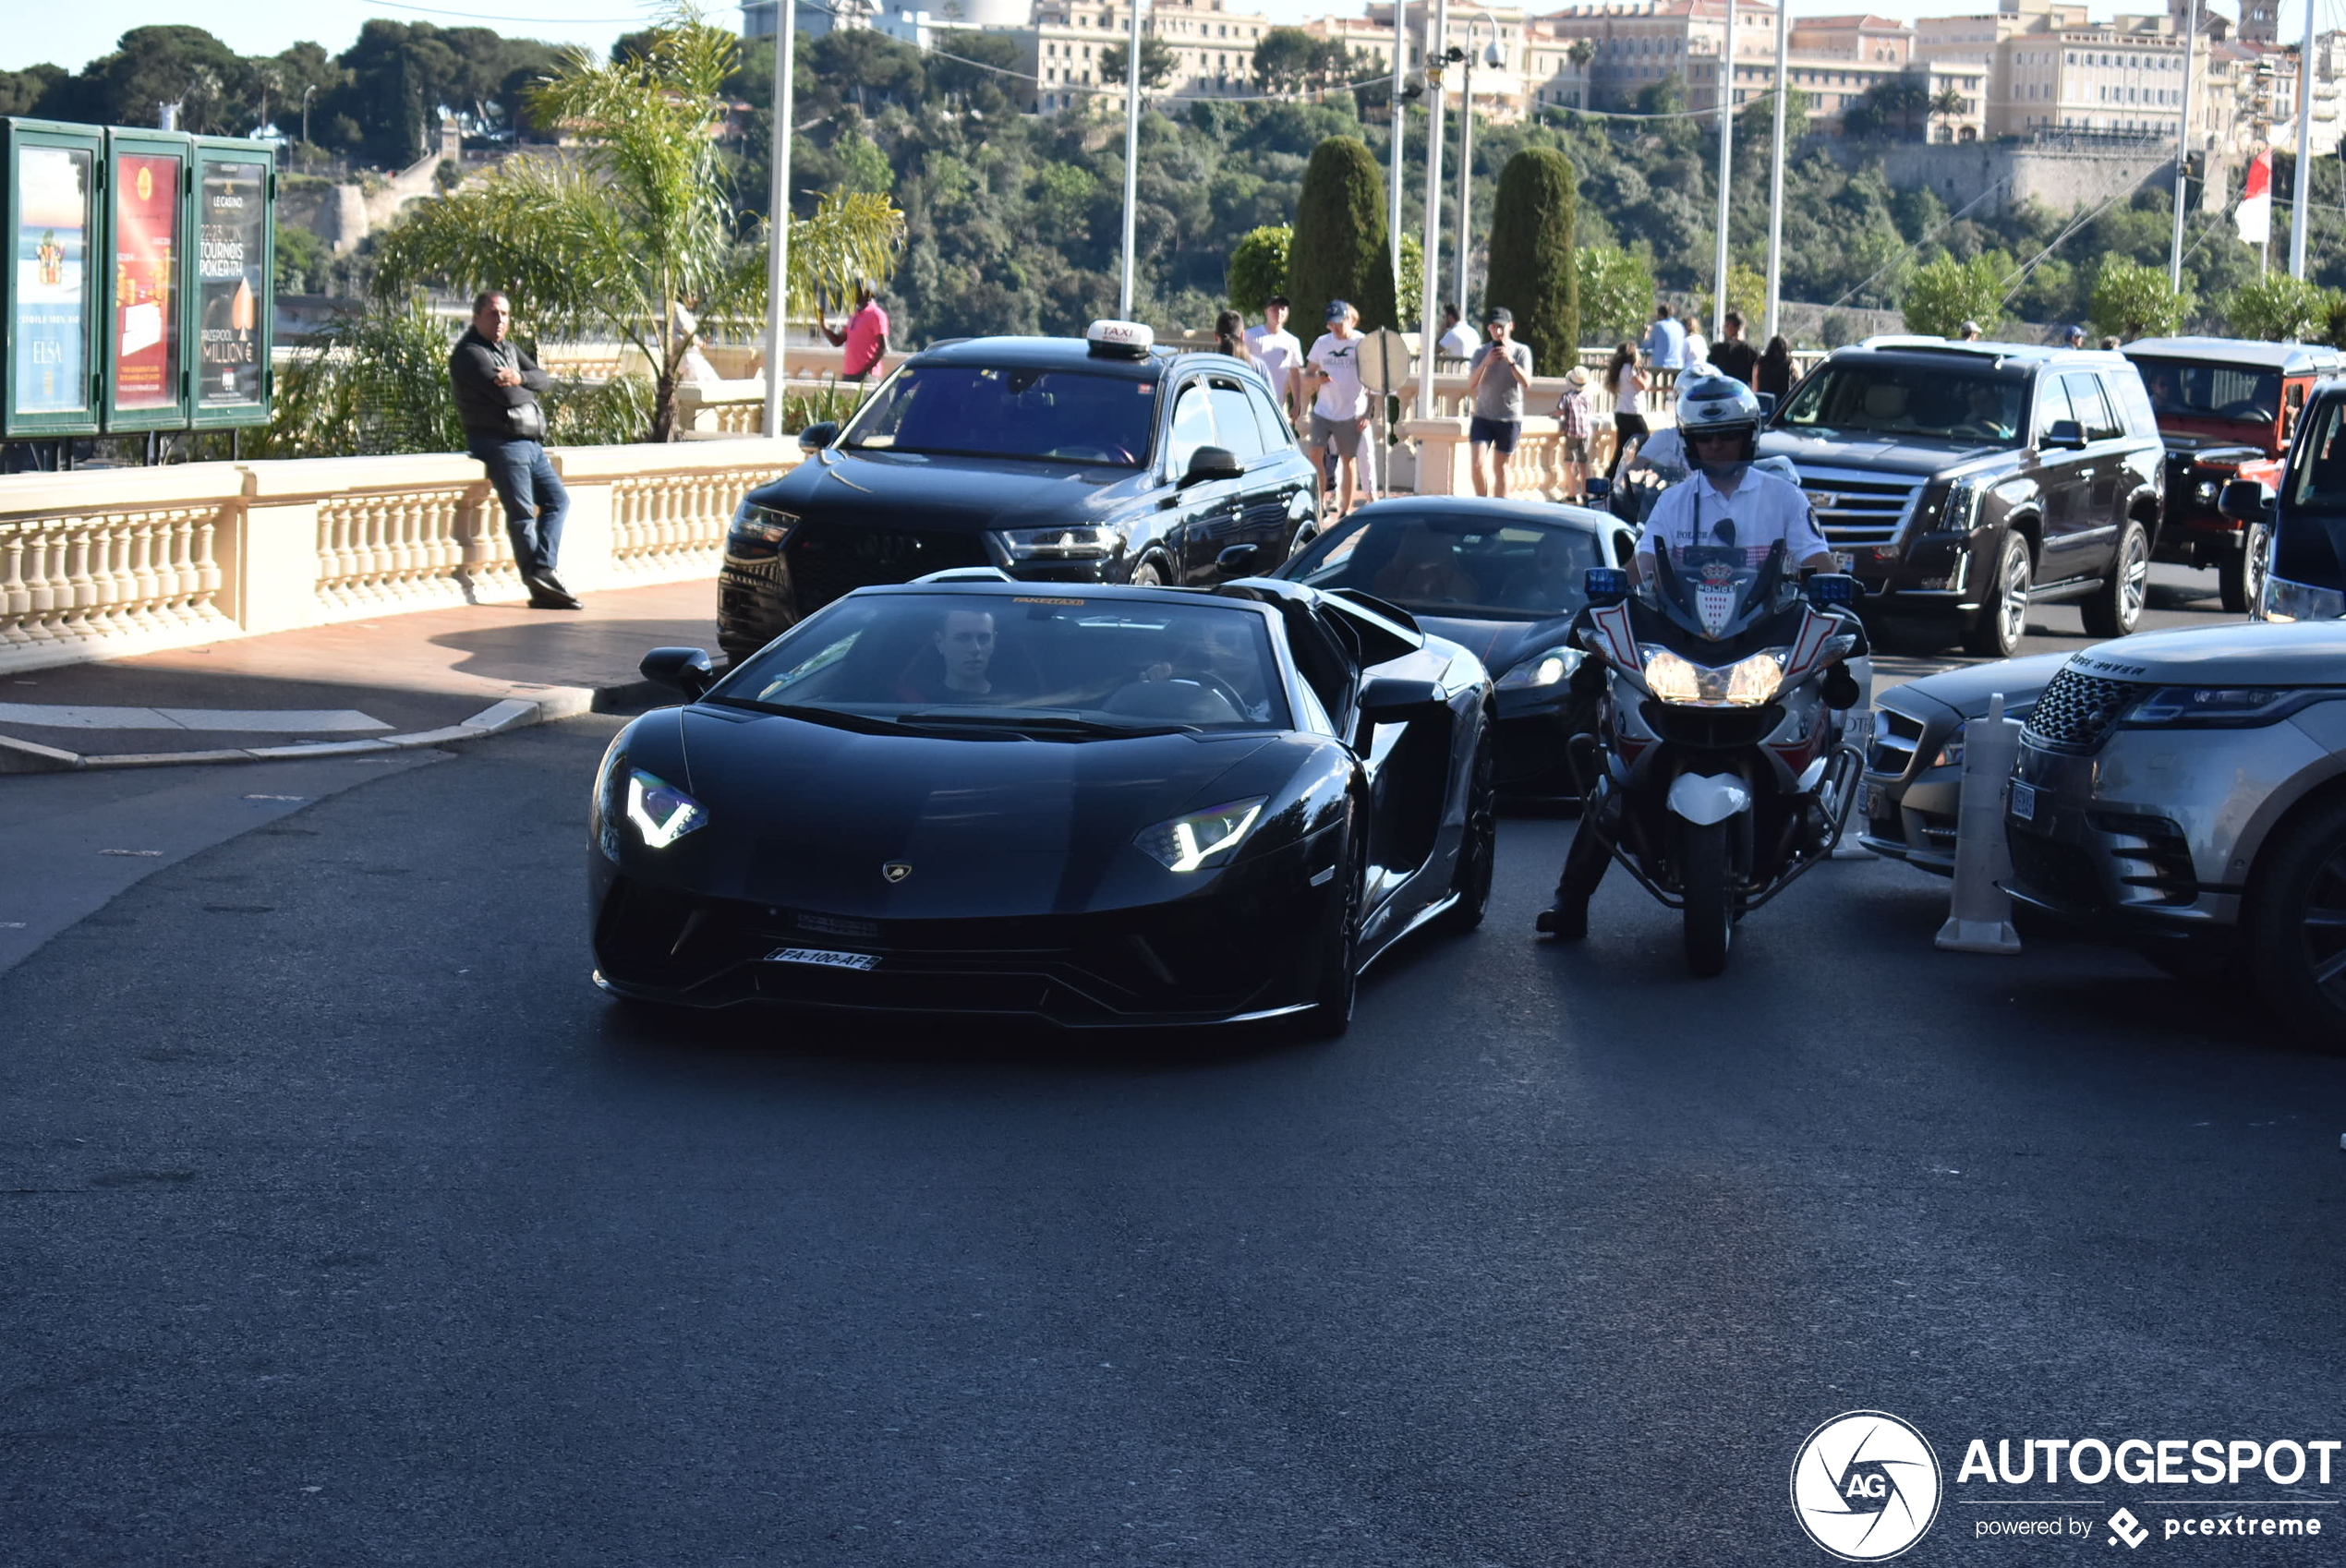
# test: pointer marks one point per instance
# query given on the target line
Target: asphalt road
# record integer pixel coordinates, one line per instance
(348, 1224)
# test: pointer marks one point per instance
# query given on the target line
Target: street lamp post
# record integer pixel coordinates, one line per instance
(1430, 286)
(307, 94)
(2300, 211)
(777, 222)
(1400, 141)
(1131, 159)
(1726, 137)
(1494, 57)
(2183, 154)
(1775, 175)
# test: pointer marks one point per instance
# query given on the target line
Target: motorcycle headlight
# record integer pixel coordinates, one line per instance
(1057, 544)
(1188, 842)
(1747, 682)
(2285, 600)
(1556, 664)
(2221, 707)
(662, 811)
(758, 531)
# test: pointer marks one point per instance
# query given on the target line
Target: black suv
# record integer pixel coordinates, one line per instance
(1962, 481)
(1098, 460)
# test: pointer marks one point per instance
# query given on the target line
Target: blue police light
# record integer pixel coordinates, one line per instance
(1605, 586)
(1832, 587)
(1597, 487)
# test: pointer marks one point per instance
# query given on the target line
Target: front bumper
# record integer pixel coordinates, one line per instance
(1534, 726)
(1243, 949)
(1914, 820)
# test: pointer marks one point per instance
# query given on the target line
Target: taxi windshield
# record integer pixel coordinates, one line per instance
(1474, 568)
(1043, 664)
(1008, 411)
(1895, 398)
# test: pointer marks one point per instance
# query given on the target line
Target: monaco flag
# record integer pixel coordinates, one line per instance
(2254, 213)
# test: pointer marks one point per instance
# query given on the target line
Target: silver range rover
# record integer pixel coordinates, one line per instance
(2186, 792)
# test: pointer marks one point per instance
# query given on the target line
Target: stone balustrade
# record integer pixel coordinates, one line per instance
(102, 563)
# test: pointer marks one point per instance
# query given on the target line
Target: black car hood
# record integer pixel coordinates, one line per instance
(976, 492)
(1966, 690)
(1500, 645)
(1880, 454)
(807, 815)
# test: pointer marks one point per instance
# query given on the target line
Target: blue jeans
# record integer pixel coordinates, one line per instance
(532, 495)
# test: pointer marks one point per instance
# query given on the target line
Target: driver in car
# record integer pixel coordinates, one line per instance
(963, 671)
(1212, 655)
(1424, 569)
(1545, 581)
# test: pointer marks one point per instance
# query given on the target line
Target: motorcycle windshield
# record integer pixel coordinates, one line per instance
(1714, 591)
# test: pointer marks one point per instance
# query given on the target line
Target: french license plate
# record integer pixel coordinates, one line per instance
(823, 958)
(2023, 801)
(1863, 807)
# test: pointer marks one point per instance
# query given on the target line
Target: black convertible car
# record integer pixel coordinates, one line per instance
(1503, 578)
(1087, 804)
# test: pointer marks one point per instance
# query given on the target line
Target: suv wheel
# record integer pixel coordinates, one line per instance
(1148, 575)
(2004, 618)
(2116, 608)
(2296, 921)
(2239, 576)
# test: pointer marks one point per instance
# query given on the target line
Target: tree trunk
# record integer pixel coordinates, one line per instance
(664, 406)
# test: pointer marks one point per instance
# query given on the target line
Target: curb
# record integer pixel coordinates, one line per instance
(513, 713)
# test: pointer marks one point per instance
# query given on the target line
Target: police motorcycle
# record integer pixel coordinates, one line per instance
(1722, 764)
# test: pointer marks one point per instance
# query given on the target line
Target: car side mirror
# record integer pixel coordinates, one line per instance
(679, 670)
(2245, 501)
(1236, 559)
(1213, 463)
(2065, 433)
(1767, 405)
(1604, 586)
(1395, 699)
(816, 436)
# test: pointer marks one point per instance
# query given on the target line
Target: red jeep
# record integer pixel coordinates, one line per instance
(2225, 408)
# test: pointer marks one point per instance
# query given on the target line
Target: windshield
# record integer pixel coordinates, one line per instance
(1449, 564)
(2186, 389)
(1940, 402)
(980, 411)
(1060, 663)
(1713, 590)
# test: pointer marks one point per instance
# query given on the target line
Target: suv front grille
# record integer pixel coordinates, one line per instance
(1857, 508)
(828, 560)
(2077, 712)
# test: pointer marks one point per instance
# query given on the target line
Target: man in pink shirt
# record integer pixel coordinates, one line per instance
(865, 337)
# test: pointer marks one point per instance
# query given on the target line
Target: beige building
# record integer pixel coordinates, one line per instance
(1213, 49)
(2050, 70)
(1536, 70)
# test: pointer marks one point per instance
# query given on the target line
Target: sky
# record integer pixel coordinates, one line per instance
(73, 34)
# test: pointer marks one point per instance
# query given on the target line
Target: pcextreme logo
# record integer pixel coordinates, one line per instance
(1865, 1486)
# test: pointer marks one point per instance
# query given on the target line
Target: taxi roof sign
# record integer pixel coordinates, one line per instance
(1130, 338)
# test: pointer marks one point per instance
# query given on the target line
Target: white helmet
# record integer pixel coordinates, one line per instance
(1714, 406)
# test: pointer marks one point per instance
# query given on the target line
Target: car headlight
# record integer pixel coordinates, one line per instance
(1951, 754)
(2285, 600)
(1188, 842)
(2205, 491)
(1961, 512)
(1747, 682)
(758, 531)
(1556, 664)
(2222, 707)
(1057, 544)
(662, 811)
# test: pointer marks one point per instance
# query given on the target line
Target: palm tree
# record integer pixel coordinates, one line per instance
(1582, 52)
(1947, 103)
(618, 241)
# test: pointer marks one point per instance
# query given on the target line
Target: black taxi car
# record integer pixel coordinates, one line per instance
(1104, 459)
(1964, 483)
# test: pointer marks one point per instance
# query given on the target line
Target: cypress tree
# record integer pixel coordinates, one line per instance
(1338, 251)
(1531, 265)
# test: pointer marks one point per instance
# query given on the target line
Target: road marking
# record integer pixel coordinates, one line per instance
(270, 721)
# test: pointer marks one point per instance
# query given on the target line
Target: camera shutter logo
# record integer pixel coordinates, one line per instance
(1865, 1486)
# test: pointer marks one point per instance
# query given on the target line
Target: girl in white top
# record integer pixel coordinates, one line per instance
(1628, 384)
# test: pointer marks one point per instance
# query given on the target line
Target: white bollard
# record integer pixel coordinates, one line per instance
(1856, 727)
(1979, 919)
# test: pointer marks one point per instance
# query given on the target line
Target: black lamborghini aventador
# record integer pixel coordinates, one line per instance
(1090, 805)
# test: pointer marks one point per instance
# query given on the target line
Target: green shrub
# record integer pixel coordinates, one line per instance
(2132, 300)
(1258, 267)
(1942, 294)
(1532, 272)
(2278, 309)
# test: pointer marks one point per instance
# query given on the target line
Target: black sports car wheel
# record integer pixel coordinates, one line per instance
(1710, 912)
(1478, 850)
(2297, 924)
(1339, 944)
(2239, 576)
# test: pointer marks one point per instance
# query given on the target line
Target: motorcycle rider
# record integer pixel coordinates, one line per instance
(1728, 501)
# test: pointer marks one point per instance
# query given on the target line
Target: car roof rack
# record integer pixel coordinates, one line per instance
(967, 575)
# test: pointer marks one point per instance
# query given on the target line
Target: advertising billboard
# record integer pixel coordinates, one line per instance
(51, 214)
(233, 297)
(148, 209)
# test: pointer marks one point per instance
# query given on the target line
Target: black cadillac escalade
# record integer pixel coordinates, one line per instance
(1961, 482)
(1057, 460)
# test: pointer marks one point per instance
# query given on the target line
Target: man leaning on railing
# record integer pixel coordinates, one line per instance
(497, 386)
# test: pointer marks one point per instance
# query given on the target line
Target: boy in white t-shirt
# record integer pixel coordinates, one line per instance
(1340, 404)
(1275, 349)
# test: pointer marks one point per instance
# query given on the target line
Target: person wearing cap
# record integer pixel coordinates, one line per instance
(1971, 331)
(864, 335)
(1276, 349)
(1496, 379)
(1340, 404)
(1577, 422)
(2075, 337)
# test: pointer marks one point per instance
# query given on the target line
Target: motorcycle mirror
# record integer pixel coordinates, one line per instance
(1604, 585)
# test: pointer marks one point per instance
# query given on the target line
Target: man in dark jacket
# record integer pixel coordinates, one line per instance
(497, 387)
